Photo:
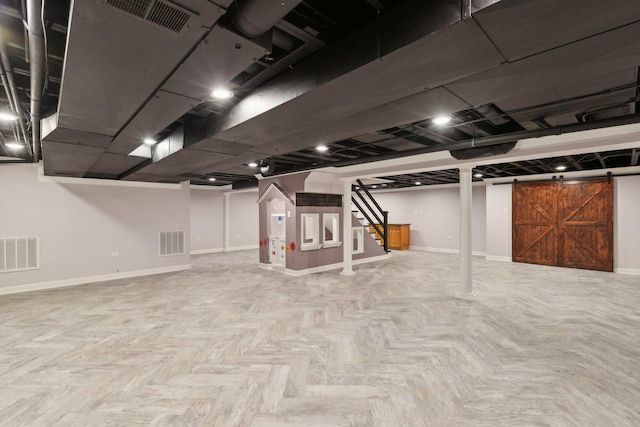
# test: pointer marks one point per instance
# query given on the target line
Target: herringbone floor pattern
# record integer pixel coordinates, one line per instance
(229, 344)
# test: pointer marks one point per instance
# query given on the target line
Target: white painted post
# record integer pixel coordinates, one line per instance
(225, 231)
(347, 236)
(466, 284)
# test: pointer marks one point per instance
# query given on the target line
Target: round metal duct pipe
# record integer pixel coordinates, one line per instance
(37, 69)
(255, 17)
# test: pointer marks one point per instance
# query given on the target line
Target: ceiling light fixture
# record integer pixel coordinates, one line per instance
(441, 120)
(252, 165)
(8, 116)
(322, 148)
(374, 186)
(212, 179)
(418, 183)
(222, 93)
(150, 141)
(561, 168)
(478, 175)
(14, 145)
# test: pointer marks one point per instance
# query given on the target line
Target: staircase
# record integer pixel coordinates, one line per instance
(370, 214)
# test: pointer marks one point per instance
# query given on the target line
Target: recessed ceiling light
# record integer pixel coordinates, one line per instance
(8, 116)
(212, 179)
(322, 148)
(149, 141)
(384, 185)
(14, 145)
(441, 120)
(418, 183)
(561, 168)
(478, 175)
(222, 93)
(252, 165)
(374, 186)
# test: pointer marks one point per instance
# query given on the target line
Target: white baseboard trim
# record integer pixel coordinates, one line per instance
(306, 271)
(633, 271)
(444, 250)
(335, 266)
(498, 258)
(370, 259)
(206, 251)
(90, 279)
(241, 248)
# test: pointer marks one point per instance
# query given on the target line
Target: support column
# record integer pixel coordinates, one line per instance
(347, 234)
(466, 284)
(225, 230)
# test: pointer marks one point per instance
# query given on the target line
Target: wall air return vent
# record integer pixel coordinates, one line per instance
(159, 12)
(171, 243)
(18, 253)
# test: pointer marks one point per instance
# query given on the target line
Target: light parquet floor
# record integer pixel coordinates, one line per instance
(229, 344)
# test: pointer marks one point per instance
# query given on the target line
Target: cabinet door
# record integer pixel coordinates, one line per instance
(585, 211)
(405, 236)
(394, 237)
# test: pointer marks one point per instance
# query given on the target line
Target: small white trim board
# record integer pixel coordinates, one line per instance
(627, 271)
(498, 258)
(444, 250)
(241, 248)
(90, 279)
(206, 251)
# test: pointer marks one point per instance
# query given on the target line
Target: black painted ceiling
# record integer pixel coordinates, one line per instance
(363, 77)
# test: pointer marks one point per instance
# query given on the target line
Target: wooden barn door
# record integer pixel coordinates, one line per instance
(535, 224)
(564, 224)
(585, 213)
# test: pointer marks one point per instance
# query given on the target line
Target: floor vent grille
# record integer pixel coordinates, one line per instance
(19, 253)
(159, 12)
(171, 243)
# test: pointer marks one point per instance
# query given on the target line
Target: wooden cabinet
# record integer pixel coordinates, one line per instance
(399, 236)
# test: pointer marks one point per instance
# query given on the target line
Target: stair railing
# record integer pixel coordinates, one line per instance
(374, 214)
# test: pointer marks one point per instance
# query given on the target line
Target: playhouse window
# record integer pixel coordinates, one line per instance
(357, 234)
(331, 229)
(310, 231)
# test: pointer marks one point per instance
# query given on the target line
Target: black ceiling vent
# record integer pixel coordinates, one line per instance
(163, 13)
(267, 168)
(488, 151)
(605, 113)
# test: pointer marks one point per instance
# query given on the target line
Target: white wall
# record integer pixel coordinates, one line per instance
(243, 220)
(81, 225)
(207, 216)
(627, 224)
(434, 215)
(499, 222)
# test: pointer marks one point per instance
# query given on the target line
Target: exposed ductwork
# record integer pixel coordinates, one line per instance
(497, 140)
(391, 69)
(37, 62)
(6, 74)
(336, 73)
(217, 56)
(485, 151)
(255, 17)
